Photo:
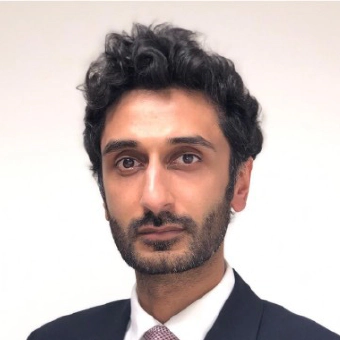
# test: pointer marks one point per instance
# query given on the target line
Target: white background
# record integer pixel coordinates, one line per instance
(57, 255)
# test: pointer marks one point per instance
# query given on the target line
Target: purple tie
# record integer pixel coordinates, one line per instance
(159, 333)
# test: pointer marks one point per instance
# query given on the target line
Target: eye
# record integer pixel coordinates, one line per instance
(127, 164)
(187, 159)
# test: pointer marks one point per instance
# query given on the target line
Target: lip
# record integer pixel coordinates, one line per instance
(163, 233)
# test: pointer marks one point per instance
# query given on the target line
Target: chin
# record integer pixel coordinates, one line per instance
(165, 262)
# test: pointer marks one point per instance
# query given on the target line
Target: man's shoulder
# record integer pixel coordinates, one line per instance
(94, 323)
(279, 323)
(246, 316)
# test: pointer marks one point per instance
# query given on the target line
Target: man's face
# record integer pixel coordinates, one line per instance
(165, 174)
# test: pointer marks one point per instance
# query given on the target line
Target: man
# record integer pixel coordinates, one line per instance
(172, 133)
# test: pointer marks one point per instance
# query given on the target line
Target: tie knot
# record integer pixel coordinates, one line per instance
(159, 332)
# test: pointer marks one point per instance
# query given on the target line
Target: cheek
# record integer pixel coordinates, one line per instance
(201, 196)
(122, 201)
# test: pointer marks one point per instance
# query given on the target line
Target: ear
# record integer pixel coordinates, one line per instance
(107, 217)
(242, 184)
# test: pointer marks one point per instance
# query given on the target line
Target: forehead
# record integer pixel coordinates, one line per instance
(158, 115)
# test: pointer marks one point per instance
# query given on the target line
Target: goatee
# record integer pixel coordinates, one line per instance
(202, 240)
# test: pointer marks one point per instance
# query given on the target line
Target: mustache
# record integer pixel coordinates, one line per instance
(163, 218)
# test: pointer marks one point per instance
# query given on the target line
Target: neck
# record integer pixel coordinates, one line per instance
(164, 296)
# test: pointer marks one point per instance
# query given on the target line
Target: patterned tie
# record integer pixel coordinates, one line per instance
(159, 332)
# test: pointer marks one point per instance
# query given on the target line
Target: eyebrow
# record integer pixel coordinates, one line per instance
(194, 140)
(117, 145)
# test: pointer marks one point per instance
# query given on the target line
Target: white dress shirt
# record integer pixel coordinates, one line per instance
(192, 323)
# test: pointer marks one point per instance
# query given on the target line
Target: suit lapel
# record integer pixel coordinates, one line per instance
(240, 316)
(114, 322)
(120, 324)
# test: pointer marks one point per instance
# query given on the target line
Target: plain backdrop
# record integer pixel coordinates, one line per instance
(56, 252)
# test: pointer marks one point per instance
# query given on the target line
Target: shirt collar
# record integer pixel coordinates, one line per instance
(193, 322)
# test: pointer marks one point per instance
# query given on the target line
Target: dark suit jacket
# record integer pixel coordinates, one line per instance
(244, 316)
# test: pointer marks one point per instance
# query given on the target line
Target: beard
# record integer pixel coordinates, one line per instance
(204, 240)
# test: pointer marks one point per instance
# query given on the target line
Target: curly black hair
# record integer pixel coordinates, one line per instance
(160, 57)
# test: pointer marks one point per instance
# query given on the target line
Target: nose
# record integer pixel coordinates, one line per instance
(156, 194)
